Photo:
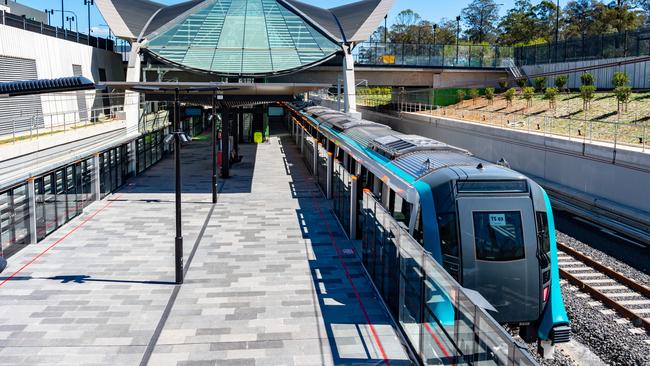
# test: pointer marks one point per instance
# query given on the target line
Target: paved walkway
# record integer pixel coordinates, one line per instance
(269, 280)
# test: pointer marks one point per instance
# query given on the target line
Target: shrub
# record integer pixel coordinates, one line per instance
(509, 95)
(620, 79)
(489, 95)
(521, 83)
(587, 79)
(551, 95)
(473, 93)
(623, 94)
(560, 81)
(460, 93)
(540, 83)
(503, 85)
(587, 93)
(529, 92)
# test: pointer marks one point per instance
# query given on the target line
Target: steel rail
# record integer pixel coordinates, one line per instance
(599, 295)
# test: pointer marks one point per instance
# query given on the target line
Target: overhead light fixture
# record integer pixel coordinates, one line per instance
(169, 139)
(184, 138)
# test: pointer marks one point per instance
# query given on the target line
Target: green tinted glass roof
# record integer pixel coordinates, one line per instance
(241, 37)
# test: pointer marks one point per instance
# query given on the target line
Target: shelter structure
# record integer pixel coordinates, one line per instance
(244, 38)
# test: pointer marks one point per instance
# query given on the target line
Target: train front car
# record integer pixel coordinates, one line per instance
(497, 236)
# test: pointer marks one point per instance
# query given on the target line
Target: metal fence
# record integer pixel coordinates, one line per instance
(13, 20)
(613, 45)
(432, 55)
(33, 209)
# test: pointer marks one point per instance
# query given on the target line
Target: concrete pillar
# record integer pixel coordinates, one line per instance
(315, 158)
(330, 171)
(31, 196)
(97, 188)
(354, 200)
(132, 99)
(349, 80)
(133, 157)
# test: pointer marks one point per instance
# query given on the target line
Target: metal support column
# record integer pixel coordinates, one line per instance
(225, 142)
(330, 172)
(215, 173)
(178, 243)
(235, 133)
(354, 189)
(315, 158)
(302, 140)
(133, 157)
(240, 113)
(31, 194)
(97, 187)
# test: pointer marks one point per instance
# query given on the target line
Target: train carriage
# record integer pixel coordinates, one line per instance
(489, 226)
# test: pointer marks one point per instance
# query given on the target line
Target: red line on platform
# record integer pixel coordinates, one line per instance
(60, 239)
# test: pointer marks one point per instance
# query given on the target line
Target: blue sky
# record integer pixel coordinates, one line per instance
(428, 9)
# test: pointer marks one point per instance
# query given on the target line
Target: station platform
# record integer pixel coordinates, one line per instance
(269, 276)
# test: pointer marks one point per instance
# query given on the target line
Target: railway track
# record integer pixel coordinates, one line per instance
(618, 292)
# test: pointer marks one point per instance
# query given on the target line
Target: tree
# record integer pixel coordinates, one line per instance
(581, 18)
(620, 78)
(587, 94)
(509, 95)
(480, 18)
(551, 95)
(405, 28)
(560, 81)
(623, 94)
(540, 83)
(521, 83)
(529, 92)
(587, 79)
(446, 32)
(473, 93)
(489, 95)
(526, 23)
(460, 93)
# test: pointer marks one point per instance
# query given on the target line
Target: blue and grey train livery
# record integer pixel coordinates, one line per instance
(489, 226)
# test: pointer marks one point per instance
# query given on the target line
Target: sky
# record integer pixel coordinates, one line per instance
(432, 10)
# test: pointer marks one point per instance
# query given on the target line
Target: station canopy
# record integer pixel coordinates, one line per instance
(242, 37)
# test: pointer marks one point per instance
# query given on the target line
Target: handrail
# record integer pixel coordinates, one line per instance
(451, 322)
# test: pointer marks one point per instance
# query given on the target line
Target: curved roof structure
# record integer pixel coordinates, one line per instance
(242, 37)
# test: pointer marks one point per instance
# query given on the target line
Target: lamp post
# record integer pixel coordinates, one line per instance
(62, 15)
(435, 26)
(70, 20)
(215, 174)
(457, 37)
(49, 13)
(178, 242)
(386, 28)
(88, 4)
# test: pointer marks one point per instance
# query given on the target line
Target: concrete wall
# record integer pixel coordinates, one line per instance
(615, 180)
(54, 59)
(401, 77)
(638, 72)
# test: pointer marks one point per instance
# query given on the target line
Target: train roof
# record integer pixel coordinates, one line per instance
(416, 155)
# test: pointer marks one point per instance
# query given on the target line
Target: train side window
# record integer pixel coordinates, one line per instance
(543, 238)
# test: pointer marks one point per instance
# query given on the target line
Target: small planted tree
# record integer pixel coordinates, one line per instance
(473, 93)
(540, 83)
(503, 85)
(623, 94)
(460, 94)
(560, 81)
(551, 95)
(521, 83)
(587, 79)
(619, 79)
(529, 92)
(509, 95)
(587, 93)
(489, 95)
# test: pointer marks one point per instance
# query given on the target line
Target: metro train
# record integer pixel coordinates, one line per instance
(490, 227)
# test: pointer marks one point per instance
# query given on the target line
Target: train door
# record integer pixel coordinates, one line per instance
(499, 254)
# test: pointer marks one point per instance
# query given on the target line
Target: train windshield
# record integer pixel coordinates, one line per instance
(498, 236)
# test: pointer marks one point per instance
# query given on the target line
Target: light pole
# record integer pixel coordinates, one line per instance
(70, 20)
(215, 174)
(557, 23)
(457, 36)
(49, 13)
(435, 26)
(386, 28)
(88, 4)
